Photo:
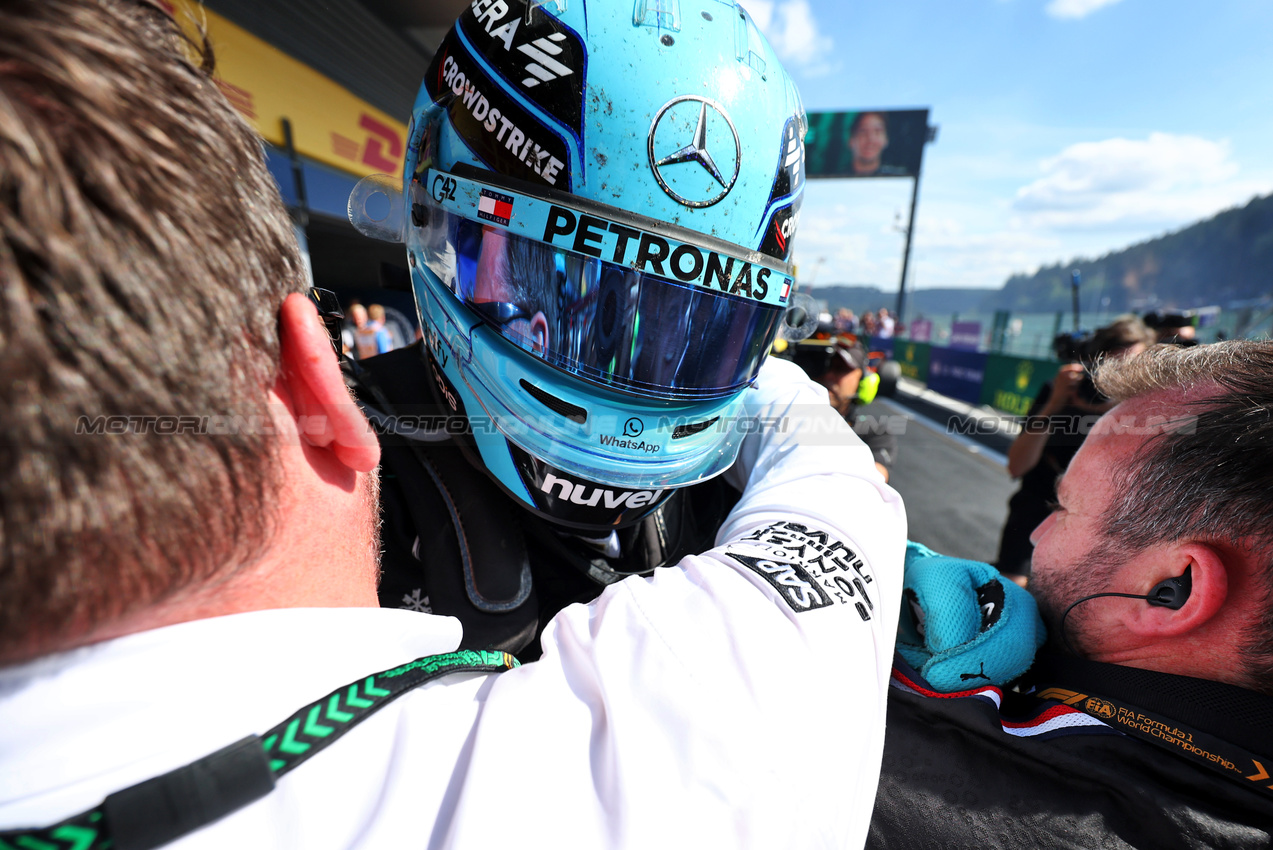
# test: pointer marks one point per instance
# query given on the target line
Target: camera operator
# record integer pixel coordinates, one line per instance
(1059, 419)
(1173, 328)
(851, 385)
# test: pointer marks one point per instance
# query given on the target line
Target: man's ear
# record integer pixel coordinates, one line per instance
(311, 382)
(1207, 594)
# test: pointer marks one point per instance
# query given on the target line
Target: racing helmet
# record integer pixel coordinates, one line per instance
(598, 202)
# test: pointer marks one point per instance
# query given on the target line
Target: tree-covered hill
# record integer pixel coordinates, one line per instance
(1223, 260)
(925, 302)
(1226, 260)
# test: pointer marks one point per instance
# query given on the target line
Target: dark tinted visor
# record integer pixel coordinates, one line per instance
(602, 321)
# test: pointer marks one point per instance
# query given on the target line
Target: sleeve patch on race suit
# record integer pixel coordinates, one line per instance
(807, 567)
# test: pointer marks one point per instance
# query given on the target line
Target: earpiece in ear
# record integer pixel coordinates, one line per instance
(1174, 592)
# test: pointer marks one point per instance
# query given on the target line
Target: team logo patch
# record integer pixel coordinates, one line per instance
(780, 232)
(502, 132)
(796, 586)
(530, 48)
(807, 567)
(990, 599)
(694, 151)
(793, 154)
(780, 228)
(496, 207)
(574, 501)
(651, 253)
(1101, 708)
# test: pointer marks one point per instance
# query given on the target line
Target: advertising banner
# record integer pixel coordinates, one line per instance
(866, 143)
(913, 358)
(880, 344)
(1011, 383)
(921, 330)
(965, 335)
(329, 124)
(957, 374)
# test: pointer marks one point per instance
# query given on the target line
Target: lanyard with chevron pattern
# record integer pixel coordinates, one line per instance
(160, 810)
(1229, 760)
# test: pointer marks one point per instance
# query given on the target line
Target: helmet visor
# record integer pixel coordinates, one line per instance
(603, 321)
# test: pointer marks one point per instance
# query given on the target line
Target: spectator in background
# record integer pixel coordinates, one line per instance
(848, 391)
(886, 325)
(869, 326)
(1062, 413)
(370, 337)
(347, 340)
(376, 316)
(845, 321)
(1173, 328)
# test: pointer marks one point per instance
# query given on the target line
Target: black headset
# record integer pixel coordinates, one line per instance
(1170, 593)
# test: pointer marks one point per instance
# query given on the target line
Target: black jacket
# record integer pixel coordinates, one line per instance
(454, 543)
(960, 771)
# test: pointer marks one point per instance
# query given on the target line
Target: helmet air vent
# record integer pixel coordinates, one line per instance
(690, 430)
(749, 44)
(559, 406)
(658, 14)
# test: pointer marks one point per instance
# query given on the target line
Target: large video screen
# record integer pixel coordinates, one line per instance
(867, 143)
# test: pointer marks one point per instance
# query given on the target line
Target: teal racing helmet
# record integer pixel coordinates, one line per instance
(598, 203)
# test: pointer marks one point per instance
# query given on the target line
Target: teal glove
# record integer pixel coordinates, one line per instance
(963, 624)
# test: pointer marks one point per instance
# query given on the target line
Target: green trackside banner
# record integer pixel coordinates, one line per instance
(913, 358)
(1011, 383)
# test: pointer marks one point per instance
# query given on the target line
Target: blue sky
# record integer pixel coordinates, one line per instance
(1068, 128)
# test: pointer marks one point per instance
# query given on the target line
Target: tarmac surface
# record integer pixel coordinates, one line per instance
(956, 487)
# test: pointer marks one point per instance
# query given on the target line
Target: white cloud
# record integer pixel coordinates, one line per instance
(1075, 9)
(955, 246)
(831, 250)
(762, 12)
(975, 227)
(793, 32)
(1160, 181)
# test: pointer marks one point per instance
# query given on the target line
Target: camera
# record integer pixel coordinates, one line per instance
(1072, 347)
(1080, 348)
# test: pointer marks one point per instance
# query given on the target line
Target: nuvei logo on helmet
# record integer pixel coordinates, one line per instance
(578, 493)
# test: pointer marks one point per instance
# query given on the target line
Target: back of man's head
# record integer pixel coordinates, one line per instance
(143, 257)
(1207, 475)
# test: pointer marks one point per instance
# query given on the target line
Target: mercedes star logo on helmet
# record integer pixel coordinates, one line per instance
(696, 168)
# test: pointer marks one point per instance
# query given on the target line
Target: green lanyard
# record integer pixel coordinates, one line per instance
(157, 811)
